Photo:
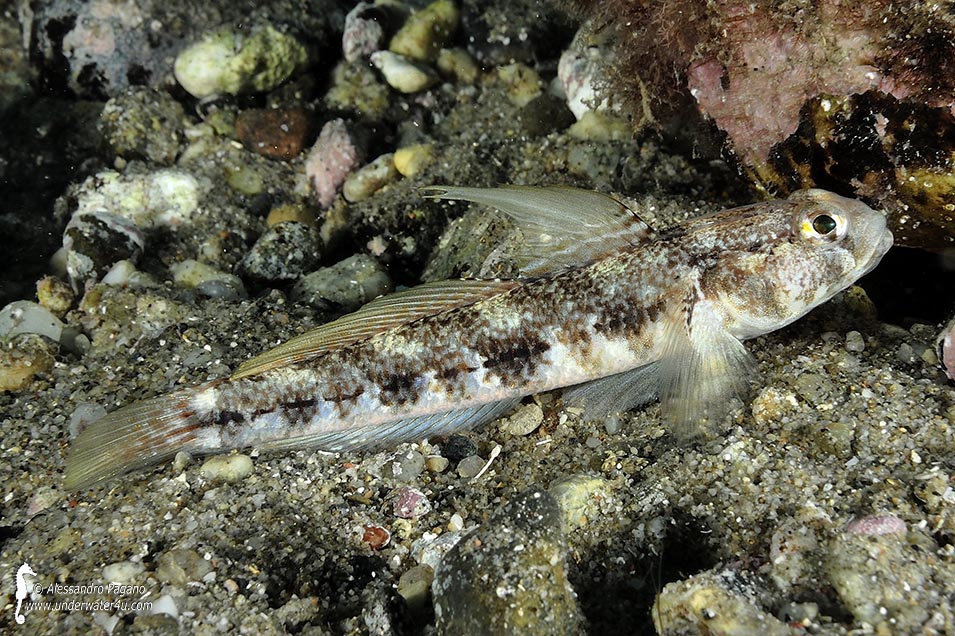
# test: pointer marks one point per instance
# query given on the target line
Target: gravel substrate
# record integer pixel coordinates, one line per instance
(824, 506)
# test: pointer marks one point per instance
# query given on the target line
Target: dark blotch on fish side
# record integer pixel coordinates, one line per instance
(397, 388)
(225, 418)
(514, 358)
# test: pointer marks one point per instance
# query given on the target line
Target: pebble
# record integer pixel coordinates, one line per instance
(154, 624)
(455, 523)
(377, 537)
(336, 153)
(411, 503)
(524, 421)
(906, 353)
(577, 496)
(600, 126)
(20, 364)
(522, 83)
(812, 387)
(124, 274)
(180, 566)
(283, 253)
(879, 577)
(457, 63)
(226, 61)
(771, 403)
(227, 468)
(406, 466)
(276, 133)
(402, 74)
(716, 604)
(414, 586)
(357, 88)
(55, 294)
(509, 575)
(425, 32)
(122, 572)
(945, 344)
(873, 525)
(143, 123)
(83, 415)
(855, 342)
(436, 463)
(165, 604)
(579, 71)
(164, 198)
(24, 316)
(370, 178)
(430, 548)
(291, 212)
(411, 160)
(246, 179)
(94, 241)
(364, 31)
(345, 286)
(94, 49)
(471, 466)
(457, 447)
(181, 461)
(207, 280)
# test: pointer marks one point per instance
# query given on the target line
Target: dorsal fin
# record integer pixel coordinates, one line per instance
(563, 227)
(380, 315)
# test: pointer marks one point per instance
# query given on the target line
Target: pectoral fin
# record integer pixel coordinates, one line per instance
(703, 368)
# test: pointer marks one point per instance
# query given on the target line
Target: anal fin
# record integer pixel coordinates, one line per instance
(398, 431)
(615, 393)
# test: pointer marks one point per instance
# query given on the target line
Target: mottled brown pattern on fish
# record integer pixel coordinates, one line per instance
(622, 296)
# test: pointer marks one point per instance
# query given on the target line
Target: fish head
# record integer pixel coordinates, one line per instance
(815, 244)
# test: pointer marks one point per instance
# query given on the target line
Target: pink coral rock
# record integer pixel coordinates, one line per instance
(336, 153)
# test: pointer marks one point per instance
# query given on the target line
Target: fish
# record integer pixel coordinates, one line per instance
(601, 305)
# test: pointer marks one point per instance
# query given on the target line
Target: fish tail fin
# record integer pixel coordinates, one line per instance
(132, 437)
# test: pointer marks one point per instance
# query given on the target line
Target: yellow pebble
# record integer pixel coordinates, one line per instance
(411, 160)
(290, 212)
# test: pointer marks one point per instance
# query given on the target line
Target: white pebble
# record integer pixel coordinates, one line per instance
(165, 604)
(23, 316)
(122, 572)
(854, 342)
(402, 74)
(455, 523)
(226, 468)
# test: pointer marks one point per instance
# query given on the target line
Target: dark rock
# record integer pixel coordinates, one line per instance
(509, 575)
(285, 252)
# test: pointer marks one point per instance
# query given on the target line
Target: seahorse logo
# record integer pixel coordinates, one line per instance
(22, 590)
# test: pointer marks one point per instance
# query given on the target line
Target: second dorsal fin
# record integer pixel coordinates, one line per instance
(378, 316)
(563, 227)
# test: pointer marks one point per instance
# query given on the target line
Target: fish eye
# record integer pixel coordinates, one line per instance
(823, 224)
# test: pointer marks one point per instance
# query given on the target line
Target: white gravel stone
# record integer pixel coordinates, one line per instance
(402, 74)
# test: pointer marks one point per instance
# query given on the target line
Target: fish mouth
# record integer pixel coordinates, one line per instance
(879, 250)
